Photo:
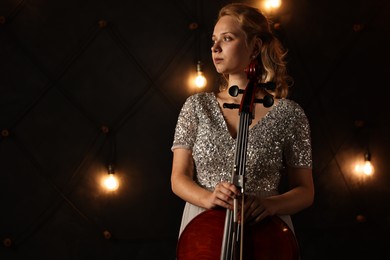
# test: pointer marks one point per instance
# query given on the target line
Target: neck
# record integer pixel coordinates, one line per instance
(239, 80)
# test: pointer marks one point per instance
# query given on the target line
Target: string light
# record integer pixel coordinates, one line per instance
(365, 168)
(368, 168)
(200, 80)
(272, 4)
(110, 182)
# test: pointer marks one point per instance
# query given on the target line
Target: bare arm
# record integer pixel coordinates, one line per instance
(186, 188)
(299, 196)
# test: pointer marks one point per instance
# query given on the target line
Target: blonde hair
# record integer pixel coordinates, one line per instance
(272, 54)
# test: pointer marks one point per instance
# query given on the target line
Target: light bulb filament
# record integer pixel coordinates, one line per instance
(200, 80)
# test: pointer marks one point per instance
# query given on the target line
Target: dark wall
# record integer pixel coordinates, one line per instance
(84, 83)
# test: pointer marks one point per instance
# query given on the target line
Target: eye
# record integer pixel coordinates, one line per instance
(227, 38)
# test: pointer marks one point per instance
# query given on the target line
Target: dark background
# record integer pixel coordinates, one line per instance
(69, 70)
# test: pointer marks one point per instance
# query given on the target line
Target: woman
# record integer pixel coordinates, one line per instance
(279, 136)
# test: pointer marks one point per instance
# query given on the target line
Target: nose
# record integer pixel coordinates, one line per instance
(215, 47)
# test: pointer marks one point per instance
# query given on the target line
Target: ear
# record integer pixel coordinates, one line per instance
(257, 43)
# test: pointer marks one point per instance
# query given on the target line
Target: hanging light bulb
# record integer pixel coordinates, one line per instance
(200, 80)
(368, 168)
(365, 168)
(270, 5)
(110, 182)
(273, 3)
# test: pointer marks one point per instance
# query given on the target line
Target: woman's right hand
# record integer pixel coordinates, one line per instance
(184, 186)
(223, 195)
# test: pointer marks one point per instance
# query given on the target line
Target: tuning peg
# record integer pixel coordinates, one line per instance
(267, 101)
(235, 90)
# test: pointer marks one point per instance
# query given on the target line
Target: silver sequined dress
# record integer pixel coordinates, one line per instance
(281, 138)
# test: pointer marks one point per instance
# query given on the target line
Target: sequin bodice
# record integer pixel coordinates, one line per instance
(281, 138)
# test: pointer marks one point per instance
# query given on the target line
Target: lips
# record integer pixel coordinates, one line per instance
(217, 60)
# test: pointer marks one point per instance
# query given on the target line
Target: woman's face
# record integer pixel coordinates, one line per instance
(230, 52)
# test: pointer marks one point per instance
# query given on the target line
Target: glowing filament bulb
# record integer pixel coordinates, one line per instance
(272, 4)
(200, 80)
(368, 169)
(111, 182)
(365, 168)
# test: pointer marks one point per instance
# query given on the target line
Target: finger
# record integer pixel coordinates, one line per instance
(249, 203)
(222, 197)
(225, 190)
(253, 209)
(259, 217)
(233, 189)
(222, 200)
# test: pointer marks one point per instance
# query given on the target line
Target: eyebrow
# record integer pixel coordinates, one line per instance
(224, 33)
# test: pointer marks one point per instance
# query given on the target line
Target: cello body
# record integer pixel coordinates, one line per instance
(269, 239)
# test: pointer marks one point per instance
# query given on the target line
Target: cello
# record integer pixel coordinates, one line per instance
(216, 233)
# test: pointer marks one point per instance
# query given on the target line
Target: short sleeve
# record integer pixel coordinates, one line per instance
(298, 150)
(186, 126)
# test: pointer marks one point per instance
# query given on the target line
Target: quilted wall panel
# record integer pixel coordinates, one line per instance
(70, 70)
